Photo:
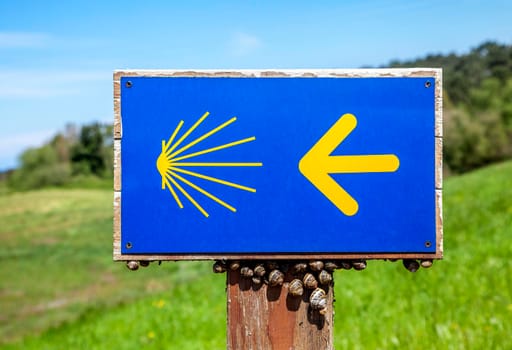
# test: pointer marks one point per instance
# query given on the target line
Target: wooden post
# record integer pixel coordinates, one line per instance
(264, 317)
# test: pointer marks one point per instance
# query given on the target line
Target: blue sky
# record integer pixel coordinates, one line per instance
(57, 57)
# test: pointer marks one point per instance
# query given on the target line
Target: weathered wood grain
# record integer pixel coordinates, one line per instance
(118, 130)
(439, 162)
(439, 103)
(117, 165)
(117, 225)
(439, 224)
(267, 318)
(259, 256)
(296, 73)
(117, 106)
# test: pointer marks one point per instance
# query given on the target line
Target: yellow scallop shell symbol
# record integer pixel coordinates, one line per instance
(170, 164)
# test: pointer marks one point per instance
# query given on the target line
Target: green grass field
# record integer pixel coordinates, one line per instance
(60, 289)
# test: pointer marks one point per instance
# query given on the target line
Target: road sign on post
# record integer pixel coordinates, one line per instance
(278, 164)
(294, 165)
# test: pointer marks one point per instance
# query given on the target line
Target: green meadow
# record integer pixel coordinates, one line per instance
(59, 288)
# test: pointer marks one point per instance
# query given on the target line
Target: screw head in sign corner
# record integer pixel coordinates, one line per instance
(428, 244)
(428, 84)
(129, 245)
(128, 84)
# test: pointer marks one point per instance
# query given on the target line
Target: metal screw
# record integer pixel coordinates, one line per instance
(129, 245)
(428, 244)
(428, 84)
(128, 84)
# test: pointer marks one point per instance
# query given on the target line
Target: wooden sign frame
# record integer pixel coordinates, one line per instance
(306, 74)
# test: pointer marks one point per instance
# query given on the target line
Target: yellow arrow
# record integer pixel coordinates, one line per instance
(317, 164)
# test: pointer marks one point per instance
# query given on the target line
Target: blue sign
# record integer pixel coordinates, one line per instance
(227, 165)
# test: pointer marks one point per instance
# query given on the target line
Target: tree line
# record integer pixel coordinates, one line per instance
(77, 153)
(477, 123)
(477, 104)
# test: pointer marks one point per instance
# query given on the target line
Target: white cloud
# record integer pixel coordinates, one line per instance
(10, 40)
(243, 44)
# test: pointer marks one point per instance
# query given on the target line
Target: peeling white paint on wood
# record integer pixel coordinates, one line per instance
(290, 73)
(117, 227)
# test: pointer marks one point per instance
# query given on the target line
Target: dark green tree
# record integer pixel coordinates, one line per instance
(90, 156)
